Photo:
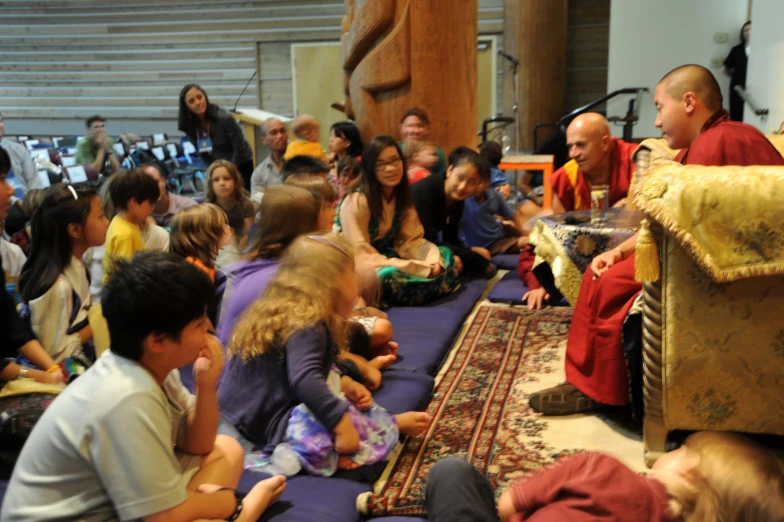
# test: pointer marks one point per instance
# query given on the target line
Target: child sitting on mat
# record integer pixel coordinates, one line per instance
(133, 194)
(54, 283)
(127, 441)
(285, 347)
(197, 234)
(488, 222)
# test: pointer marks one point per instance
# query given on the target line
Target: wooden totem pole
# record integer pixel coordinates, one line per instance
(399, 54)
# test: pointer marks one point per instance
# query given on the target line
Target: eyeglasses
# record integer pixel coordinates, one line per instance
(381, 165)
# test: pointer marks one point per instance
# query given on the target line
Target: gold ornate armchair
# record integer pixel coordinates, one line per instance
(713, 324)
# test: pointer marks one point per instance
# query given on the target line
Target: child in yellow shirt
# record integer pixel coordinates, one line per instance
(307, 130)
(133, 194)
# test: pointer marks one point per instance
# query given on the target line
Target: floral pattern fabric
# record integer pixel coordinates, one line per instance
(722, 349)
(569, 248)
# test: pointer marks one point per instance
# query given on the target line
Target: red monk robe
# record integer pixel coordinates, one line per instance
(595, 363)
(574, 193)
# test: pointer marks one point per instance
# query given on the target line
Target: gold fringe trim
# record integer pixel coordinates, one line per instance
(646, 262)
(698, 254)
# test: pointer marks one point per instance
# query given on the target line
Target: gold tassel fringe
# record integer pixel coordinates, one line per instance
(646, 263)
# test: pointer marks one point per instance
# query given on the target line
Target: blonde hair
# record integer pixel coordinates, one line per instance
(736, 480)
(197, 232)
(302, 293)
(304, 123)
(316, 185)
(286, 212)
(415, 147)
(239, 191)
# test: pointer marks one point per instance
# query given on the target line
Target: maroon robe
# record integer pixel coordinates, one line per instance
(595, 362)
(621, 171)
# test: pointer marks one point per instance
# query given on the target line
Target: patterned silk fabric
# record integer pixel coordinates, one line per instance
(569, 249)
(722, 349)
(729, 219)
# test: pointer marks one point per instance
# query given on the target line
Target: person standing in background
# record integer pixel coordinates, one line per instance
(214, 131)
(415, 126)
(735, 67)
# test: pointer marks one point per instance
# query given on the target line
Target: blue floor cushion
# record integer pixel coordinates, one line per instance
(509, 289)
(403, 391)
(426, 333)
(506, 261)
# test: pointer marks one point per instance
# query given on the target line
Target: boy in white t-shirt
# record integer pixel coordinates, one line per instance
(126, 440)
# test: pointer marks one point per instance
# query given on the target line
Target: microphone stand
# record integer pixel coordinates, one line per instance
(514, 64)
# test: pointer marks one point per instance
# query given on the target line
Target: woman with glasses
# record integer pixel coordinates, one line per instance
(379, 217)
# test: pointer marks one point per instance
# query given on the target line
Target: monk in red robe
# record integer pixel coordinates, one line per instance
(596, 158)
(690, 116)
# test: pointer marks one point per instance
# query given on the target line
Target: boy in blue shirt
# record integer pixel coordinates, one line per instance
(488, 222)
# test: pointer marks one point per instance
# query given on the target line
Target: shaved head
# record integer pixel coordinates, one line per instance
(696, 79)
(591, 122)
(588, 139)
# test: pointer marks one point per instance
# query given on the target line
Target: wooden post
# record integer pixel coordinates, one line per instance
(535, 32)
(400, 54)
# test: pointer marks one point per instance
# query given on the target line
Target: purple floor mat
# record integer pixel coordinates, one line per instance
(326, 499)
(403, 391)
(506, 261)
(426, 333)
(509, 289)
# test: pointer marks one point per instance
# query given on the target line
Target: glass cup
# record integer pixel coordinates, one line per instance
(600, 202)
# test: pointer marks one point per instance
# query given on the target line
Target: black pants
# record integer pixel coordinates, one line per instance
(456, 492)
(246, 171)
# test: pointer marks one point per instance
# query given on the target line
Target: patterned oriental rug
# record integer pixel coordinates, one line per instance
(480, 411)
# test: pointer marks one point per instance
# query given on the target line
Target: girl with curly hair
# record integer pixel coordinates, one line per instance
(285, 348)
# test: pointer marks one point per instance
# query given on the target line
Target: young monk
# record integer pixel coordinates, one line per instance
(690, 115)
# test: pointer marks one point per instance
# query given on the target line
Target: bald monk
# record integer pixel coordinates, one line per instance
(691, 118)
(596, 158)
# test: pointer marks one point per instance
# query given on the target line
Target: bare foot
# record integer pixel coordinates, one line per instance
(382, 361)
(389, 349)
(345, 462)
(372, 376)
(412, 422)
(262, 496)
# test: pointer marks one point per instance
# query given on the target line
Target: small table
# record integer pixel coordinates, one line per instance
(543, 162)
(569, 249)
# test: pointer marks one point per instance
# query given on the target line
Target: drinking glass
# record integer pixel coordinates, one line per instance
(600, 202)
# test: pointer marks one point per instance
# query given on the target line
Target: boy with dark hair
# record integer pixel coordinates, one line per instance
(133, 194)
(97, 149)
(488, 222)
(440, 200)
(493, 153)
(126, 440)
(307, 165)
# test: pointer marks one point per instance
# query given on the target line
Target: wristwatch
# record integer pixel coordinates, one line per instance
(22, 373)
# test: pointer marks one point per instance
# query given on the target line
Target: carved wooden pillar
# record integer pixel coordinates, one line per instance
(400, 54)
(535, 32)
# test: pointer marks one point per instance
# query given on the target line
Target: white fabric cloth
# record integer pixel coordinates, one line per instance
(155, 237)
(50, 314)
(13, 260)
(93, 258)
